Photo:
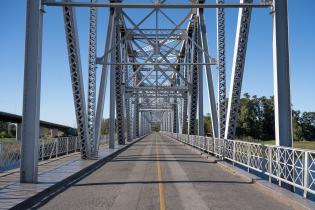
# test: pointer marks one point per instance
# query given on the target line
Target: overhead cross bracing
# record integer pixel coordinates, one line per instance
(160, 67)
(156, 58)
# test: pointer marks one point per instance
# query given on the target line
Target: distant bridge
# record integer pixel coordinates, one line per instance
(13, 118)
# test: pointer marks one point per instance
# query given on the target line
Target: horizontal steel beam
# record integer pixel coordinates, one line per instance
(156, 6)
(141, 110)
(166, 64)
(159, 88)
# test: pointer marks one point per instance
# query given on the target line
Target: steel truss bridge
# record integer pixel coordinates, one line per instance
(156, 73)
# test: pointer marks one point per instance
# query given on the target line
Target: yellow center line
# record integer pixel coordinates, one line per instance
(159, 174)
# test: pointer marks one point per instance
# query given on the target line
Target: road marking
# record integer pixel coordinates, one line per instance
(159, 174)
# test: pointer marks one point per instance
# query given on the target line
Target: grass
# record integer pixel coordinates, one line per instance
(7, 139)
(296, 144)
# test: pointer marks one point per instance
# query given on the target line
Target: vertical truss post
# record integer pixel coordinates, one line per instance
(243, 24)
(31, 92)
(194, 77)
(118, 81)
(132, 125)
(180, 116)
(281, 66)
(103, 82)
(222, 73)
(77, 79)
(136, 116)
(112, 126)
(200, 85)
(170, 121)
(142, 123)
(185, 112)
(92, 78)
(147, 123)
(212, 100)
(163, 123)
(175, 118)
(167, 122)
(128, 119)
(112, 120)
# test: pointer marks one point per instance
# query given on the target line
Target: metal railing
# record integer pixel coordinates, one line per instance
(293, 166)
(10, 152)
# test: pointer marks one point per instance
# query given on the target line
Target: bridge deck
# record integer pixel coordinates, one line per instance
(161, 173)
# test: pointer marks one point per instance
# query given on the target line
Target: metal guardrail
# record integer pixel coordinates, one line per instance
(10, 152)
(293, 166)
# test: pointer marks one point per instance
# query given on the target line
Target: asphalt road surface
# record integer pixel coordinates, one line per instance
(161, 173)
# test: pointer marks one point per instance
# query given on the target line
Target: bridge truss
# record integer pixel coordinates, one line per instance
(156, 72)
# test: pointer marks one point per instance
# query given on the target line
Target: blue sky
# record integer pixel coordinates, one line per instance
(56, 96)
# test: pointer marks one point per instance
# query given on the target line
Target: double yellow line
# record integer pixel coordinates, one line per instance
(159, 174)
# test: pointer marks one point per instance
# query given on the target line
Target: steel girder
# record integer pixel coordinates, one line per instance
(119, 92)
(136, 116)
(243, 24)
(212, 100)
(221, 68)
(31, 92)
(77, 79)
(194, 77)
(128, 119)
(103, 82)
(281, 65)
(201, 129)
(175, 118)
(160, 5)
(92, 78)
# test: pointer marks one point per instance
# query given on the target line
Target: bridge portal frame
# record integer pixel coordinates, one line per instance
(88, 120)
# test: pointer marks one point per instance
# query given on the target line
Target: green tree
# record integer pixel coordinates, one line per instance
(297, 126)
(308, 125)
(105, 126)
(248, 125)
(267, 118)
(208, 125)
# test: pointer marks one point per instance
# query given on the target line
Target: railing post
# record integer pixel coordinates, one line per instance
(234, 147)
(75, 144)
(1, 155)
(305, 185)
(293, 167)
(56, 140)
(270, 162)
(278, 166)
(207, 143)
(43, 149)
(248, 157)
(67, 145)
(223, 149)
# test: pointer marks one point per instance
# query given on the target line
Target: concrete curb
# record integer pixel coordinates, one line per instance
(37, 200)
